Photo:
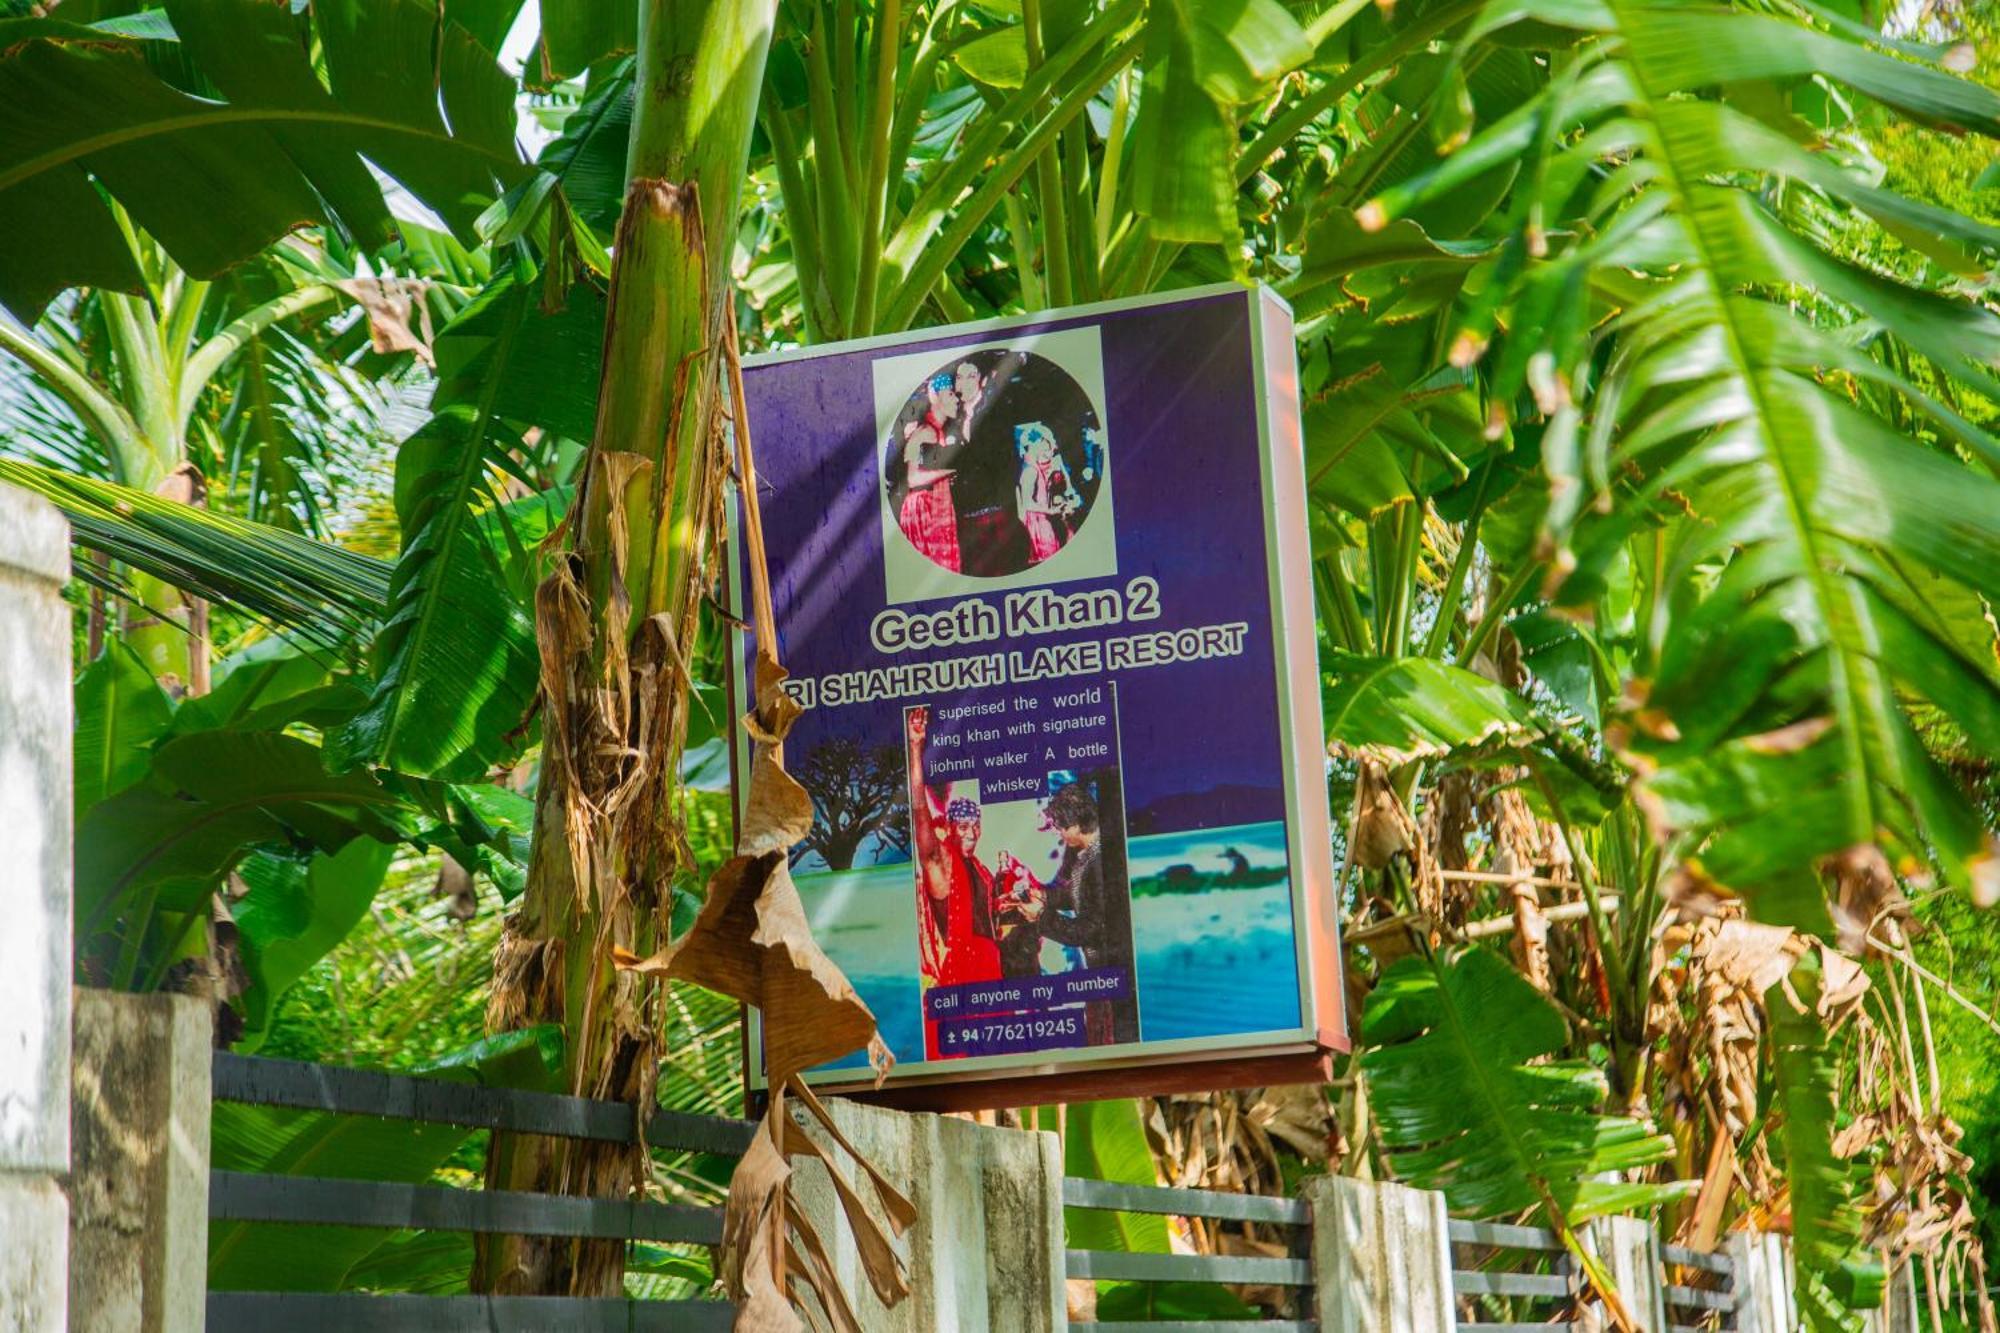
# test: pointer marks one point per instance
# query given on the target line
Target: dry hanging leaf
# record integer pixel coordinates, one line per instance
(1753, 956)
(389, 304)
(752, 942)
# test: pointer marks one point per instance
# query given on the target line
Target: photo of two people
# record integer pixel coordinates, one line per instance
(1020, 888)
(994, 462)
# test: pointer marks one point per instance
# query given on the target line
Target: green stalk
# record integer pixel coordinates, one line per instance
(135, 349)
(1617, 969)
(1496, 612)
(1336, 613)
(1461, 565)
(1409, 542)
(1350, 605)
(875, 190)
(700, 70)
(838, 229)
(100, 411)
(1048, 181)
(916, 89)
(981, 160)
(183, 306)
(847, 88)
(1022, 235)
(1081, 228)
(1309, 108)
(1114, 156)
(951, 303)
(799, 205)
(999, 179)
(212, 356)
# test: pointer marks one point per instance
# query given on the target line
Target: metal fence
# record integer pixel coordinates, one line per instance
(1236, 1270)
(1511, 1277)
(1700, 1290)
(244, 1197)
(1501, 1276)
(1515, 1277)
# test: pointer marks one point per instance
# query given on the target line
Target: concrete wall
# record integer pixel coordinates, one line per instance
(1381, 1257)
(987, 1248)
(1629, 1249)
(35, 890)
(138, 1185)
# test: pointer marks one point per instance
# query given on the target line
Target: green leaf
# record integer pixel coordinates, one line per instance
(120, 712)
(576, 34)
(267, 687)
(1413, 707)
(293, 915)
(456, 668)
(998, 59)
(1471, 1101)
(1204, 59)
(82, 109)
(211, 797)
(1829, 1196)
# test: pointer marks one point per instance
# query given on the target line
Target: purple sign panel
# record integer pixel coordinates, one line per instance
(1042, 588)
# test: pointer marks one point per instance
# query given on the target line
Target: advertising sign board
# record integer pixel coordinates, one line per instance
(1043, 585)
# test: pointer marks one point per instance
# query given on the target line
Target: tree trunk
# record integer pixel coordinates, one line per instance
(615, 618)
(168, 628)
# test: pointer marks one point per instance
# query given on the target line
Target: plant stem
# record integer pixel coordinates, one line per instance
(875, 189)
(1114, 156)
(1496, 614)
(1048, 182)
(1350, 605)
(1023, 238)
(806, 254)
(838, 229)
(972, 214)
(1454, 583)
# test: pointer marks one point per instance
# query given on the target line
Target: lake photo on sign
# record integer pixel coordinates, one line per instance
(1060, 702)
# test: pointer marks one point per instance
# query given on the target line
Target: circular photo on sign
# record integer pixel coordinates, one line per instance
(994, 462)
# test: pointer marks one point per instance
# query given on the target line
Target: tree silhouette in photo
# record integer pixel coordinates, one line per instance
(856, 794)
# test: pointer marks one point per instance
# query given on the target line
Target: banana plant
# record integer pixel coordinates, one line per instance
(1649, 515)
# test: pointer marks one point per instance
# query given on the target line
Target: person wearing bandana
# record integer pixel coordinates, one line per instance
(955, 891)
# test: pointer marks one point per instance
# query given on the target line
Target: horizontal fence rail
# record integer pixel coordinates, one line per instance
(1506, 1271)
(239, 1197)
(1215, 1204)
(301, 1312)
(1232, 1269)
(1705, 1297)
(262, 1082)
(394, 1205)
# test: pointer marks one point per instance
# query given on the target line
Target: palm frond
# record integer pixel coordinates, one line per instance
(331, 595)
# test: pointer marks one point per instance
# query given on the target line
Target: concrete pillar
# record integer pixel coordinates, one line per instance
(1381, 1257)
(1764, 1299)
(1629, 1249)
(138, 1185)
(986, 1251)
(35, 889)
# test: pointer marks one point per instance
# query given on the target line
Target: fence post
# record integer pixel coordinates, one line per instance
(139, 1178)
(1381, 1256)
(1898, 1311)
(35, 888)
(1629, 1248)
(1764, 1300)
(987, 1247)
